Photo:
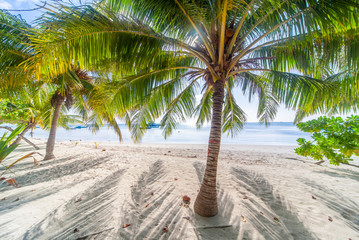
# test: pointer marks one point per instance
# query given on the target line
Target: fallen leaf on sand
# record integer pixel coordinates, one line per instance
(165, 229)
(245, 197)
(33, 190)
(261, 212)
(175, 179)
(36, 163)
(76, 230)
(147, 205)
(126, 225)
(276, 219)
(12, 182)
(103, 150)
(314, 197)
(78, 200)
(186, 199)
(330, 218)
(187, 218)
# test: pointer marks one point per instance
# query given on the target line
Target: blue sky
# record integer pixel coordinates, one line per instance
(283, 115)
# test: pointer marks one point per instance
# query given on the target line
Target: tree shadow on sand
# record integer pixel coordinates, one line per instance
(341, 173)
(222, 226)
(153, 208)
(266, 211)
(69, 167)
(93, 211)
(341, 204)
(13, 201)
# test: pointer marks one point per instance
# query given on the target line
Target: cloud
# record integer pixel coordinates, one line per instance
(5, 5)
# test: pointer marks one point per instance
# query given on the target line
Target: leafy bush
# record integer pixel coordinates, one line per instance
(333, 138)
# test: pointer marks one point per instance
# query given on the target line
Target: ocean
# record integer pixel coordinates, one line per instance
(278, 133)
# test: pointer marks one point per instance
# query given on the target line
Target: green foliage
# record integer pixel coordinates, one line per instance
(333, 138)
(161, 54)
(12, 110)
(5, 140)
(6, 148)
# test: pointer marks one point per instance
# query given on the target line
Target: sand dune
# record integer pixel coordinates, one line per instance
(264, 192)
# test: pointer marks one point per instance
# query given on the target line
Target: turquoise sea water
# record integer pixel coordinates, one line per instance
(278, 133)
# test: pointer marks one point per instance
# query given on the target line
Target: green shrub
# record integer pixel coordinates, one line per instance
(6, 148)
(333, 138)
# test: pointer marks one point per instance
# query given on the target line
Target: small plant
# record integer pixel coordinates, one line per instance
(6, 148)
(333, 138)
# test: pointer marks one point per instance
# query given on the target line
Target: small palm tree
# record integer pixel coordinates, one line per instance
(74, 83)
(22, 85)
(162, 53)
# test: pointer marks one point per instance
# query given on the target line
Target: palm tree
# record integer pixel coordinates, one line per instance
(17, 82)
(162, 53)
(70, 86)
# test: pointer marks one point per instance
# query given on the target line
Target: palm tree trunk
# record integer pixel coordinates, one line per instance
(21, 135)
(50, 145)
(206, 202)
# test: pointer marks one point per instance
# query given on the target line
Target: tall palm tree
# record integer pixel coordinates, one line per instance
(162, 53)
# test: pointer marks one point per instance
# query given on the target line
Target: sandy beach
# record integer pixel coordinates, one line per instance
(134, 191)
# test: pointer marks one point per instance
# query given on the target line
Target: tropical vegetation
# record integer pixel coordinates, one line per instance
(161, 54)
(333, 138)
(39, 99)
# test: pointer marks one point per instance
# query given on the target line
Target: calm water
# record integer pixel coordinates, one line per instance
(276, 134)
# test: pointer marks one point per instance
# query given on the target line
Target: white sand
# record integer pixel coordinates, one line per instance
(86, 191)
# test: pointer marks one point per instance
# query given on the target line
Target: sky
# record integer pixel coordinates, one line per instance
(250, 109)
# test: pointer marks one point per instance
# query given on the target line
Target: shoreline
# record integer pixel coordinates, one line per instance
(264, 192)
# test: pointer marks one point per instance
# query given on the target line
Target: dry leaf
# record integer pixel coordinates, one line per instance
(147, 205)
(78, 200)
(261, 212)
(165, 229)
(103, 150)
(36, 163)
(126, 225)
(330, 218)
(12, 182)
(314, 197)
(175, 179)
(76, 230)
(245, 197)
(33, 190)
(186, 199)
(275, 218)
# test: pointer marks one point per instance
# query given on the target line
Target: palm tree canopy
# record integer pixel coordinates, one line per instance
(160, 54)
